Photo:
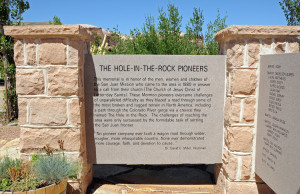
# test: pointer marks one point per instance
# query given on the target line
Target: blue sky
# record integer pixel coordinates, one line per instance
(128, 14)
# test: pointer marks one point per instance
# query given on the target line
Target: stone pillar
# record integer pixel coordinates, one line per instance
(49, 61)
(243, 46)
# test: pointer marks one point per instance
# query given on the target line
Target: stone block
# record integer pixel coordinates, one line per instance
(22, 106)
(53, 51)
(248, 187)
(75, 107)
(249, 110)
(293, 45)
(34, 139)
(253, 52)
(18, 52)
(243, 81)
(239, 139)
(62, 81)
(31, 51)
(280, 45)
(246, 167)
(267, 46)
(235, 52)
(76, 47)
(230, 165)
(232, 110)
(30, 81)
(48, 111)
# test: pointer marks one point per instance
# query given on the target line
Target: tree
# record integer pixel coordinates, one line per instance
(212, 46)
(9, 9)
(291, 10)
(167, 38)
(56, 21)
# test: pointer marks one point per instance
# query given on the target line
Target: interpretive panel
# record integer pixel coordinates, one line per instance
(278, 130)
(158, 109)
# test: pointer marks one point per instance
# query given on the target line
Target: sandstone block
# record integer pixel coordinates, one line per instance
(18, 52)
(239, 139)
(253, 52)
(53, 52)
(48, 111)
(62, 81)
(230, 165)
(248, 187)
(22, 106)
(235, 52)
(76, 47)
(243, 81)
(246, 167)
(293, 45)
(249, 110)
(267, 46)
(34, 139)
(31, 51)
(75, 107)
(30, 81)
(232, 110)
(280, 45)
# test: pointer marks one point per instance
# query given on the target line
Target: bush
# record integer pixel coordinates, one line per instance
(54, 168)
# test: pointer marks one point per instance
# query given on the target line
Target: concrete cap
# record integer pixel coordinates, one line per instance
(253, 30)
(48, 30)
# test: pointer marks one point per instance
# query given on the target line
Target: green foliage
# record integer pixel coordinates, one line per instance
(7, 163)
(4, 183)
(54, 168)
(212, 46)
(20, 6)
(9, 9)
(291, 10)
(55, 21)
(166, 38)
(96, 44)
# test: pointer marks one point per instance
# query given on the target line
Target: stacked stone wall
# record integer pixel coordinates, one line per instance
(50, 88)
(243, 46)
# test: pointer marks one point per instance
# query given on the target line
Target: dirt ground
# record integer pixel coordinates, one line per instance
(8, 133)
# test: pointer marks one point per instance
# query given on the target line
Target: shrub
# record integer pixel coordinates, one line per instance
(6, 164)
(54, 168)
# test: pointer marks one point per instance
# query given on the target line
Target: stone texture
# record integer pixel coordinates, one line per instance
(49, 30)
(280, 45)
(34, 139)
(62, 81)
(31, 51)
(251, 30)
(253, 52)
(30, 81)
(232, 110)
(243, 81)
(11, 149)
(248, 187)
(220, 185)
(235, 52)
(246, 167)
(53, 51)
(76, 56)
(18, 52)
(22, 106)
(75, 117)
(293, 45)
(230, 165)
(48, 111)
(249, 110)
(239, 139)
(267, 46)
